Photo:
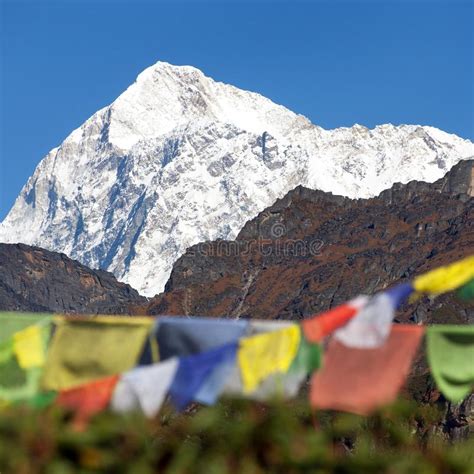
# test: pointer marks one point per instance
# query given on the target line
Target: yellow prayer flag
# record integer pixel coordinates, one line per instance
(86, 349)
(446, 278)
(265, 354)
(28, 347)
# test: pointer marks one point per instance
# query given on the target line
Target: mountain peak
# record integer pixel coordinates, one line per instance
(163, 74)
(165, 96)
(163, 67)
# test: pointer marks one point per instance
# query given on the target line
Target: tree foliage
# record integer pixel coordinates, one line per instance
(235, 436)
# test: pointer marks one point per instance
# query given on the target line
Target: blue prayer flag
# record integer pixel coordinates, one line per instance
(198, 371)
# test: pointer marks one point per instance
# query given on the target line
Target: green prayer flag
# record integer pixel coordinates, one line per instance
(308, 357)
(16, 383)
(466, 292)
(10, 323)
(42, 400)
(6, 351)
(450, 350)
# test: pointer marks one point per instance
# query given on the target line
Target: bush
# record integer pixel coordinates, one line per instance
(235, 436)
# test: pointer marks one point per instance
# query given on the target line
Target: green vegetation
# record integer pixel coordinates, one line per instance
(235, 436)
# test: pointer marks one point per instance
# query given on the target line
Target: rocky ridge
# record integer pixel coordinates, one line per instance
(313, 250)
(36, 280)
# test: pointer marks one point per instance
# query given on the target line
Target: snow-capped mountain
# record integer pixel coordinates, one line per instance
(179, 158)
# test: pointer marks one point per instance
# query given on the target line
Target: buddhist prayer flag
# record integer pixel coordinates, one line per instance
(466, 292)
(23, 344)
(88, 399)
(193, 372)
(265, 354)
(83, 350)
(308, 357)
(16, 384)
(42, 399)
(278, 384)
(29, 347)
(446, 278)
(11, 323)
(257, 326)
(214, 384)
(144, 388)
(362, 380)
(183, 336)
(318, 327)
(6, 350)
(287, 385)
(371, 326)
(450, 350)
(367, 360)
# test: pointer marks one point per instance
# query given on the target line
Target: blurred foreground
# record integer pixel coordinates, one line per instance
(235, 436)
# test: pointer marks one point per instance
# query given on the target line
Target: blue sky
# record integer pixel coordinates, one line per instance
(336, 62)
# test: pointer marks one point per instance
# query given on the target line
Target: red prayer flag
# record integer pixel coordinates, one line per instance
(318, 327)
(362, 380)
(88, 399)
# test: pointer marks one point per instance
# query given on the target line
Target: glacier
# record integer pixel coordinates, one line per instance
(179, 158)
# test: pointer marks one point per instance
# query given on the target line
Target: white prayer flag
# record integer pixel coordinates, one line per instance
(144, 388)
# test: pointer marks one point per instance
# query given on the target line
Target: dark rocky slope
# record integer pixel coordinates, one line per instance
(34, 279)
(312, 250)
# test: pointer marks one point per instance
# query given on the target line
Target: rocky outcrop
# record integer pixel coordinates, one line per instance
(34, 279)
(312, 250)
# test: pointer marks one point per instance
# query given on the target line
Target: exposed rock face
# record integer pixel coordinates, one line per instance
(33, 279)
(312, 250)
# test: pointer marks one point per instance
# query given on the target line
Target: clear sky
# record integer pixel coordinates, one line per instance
(338, 63)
